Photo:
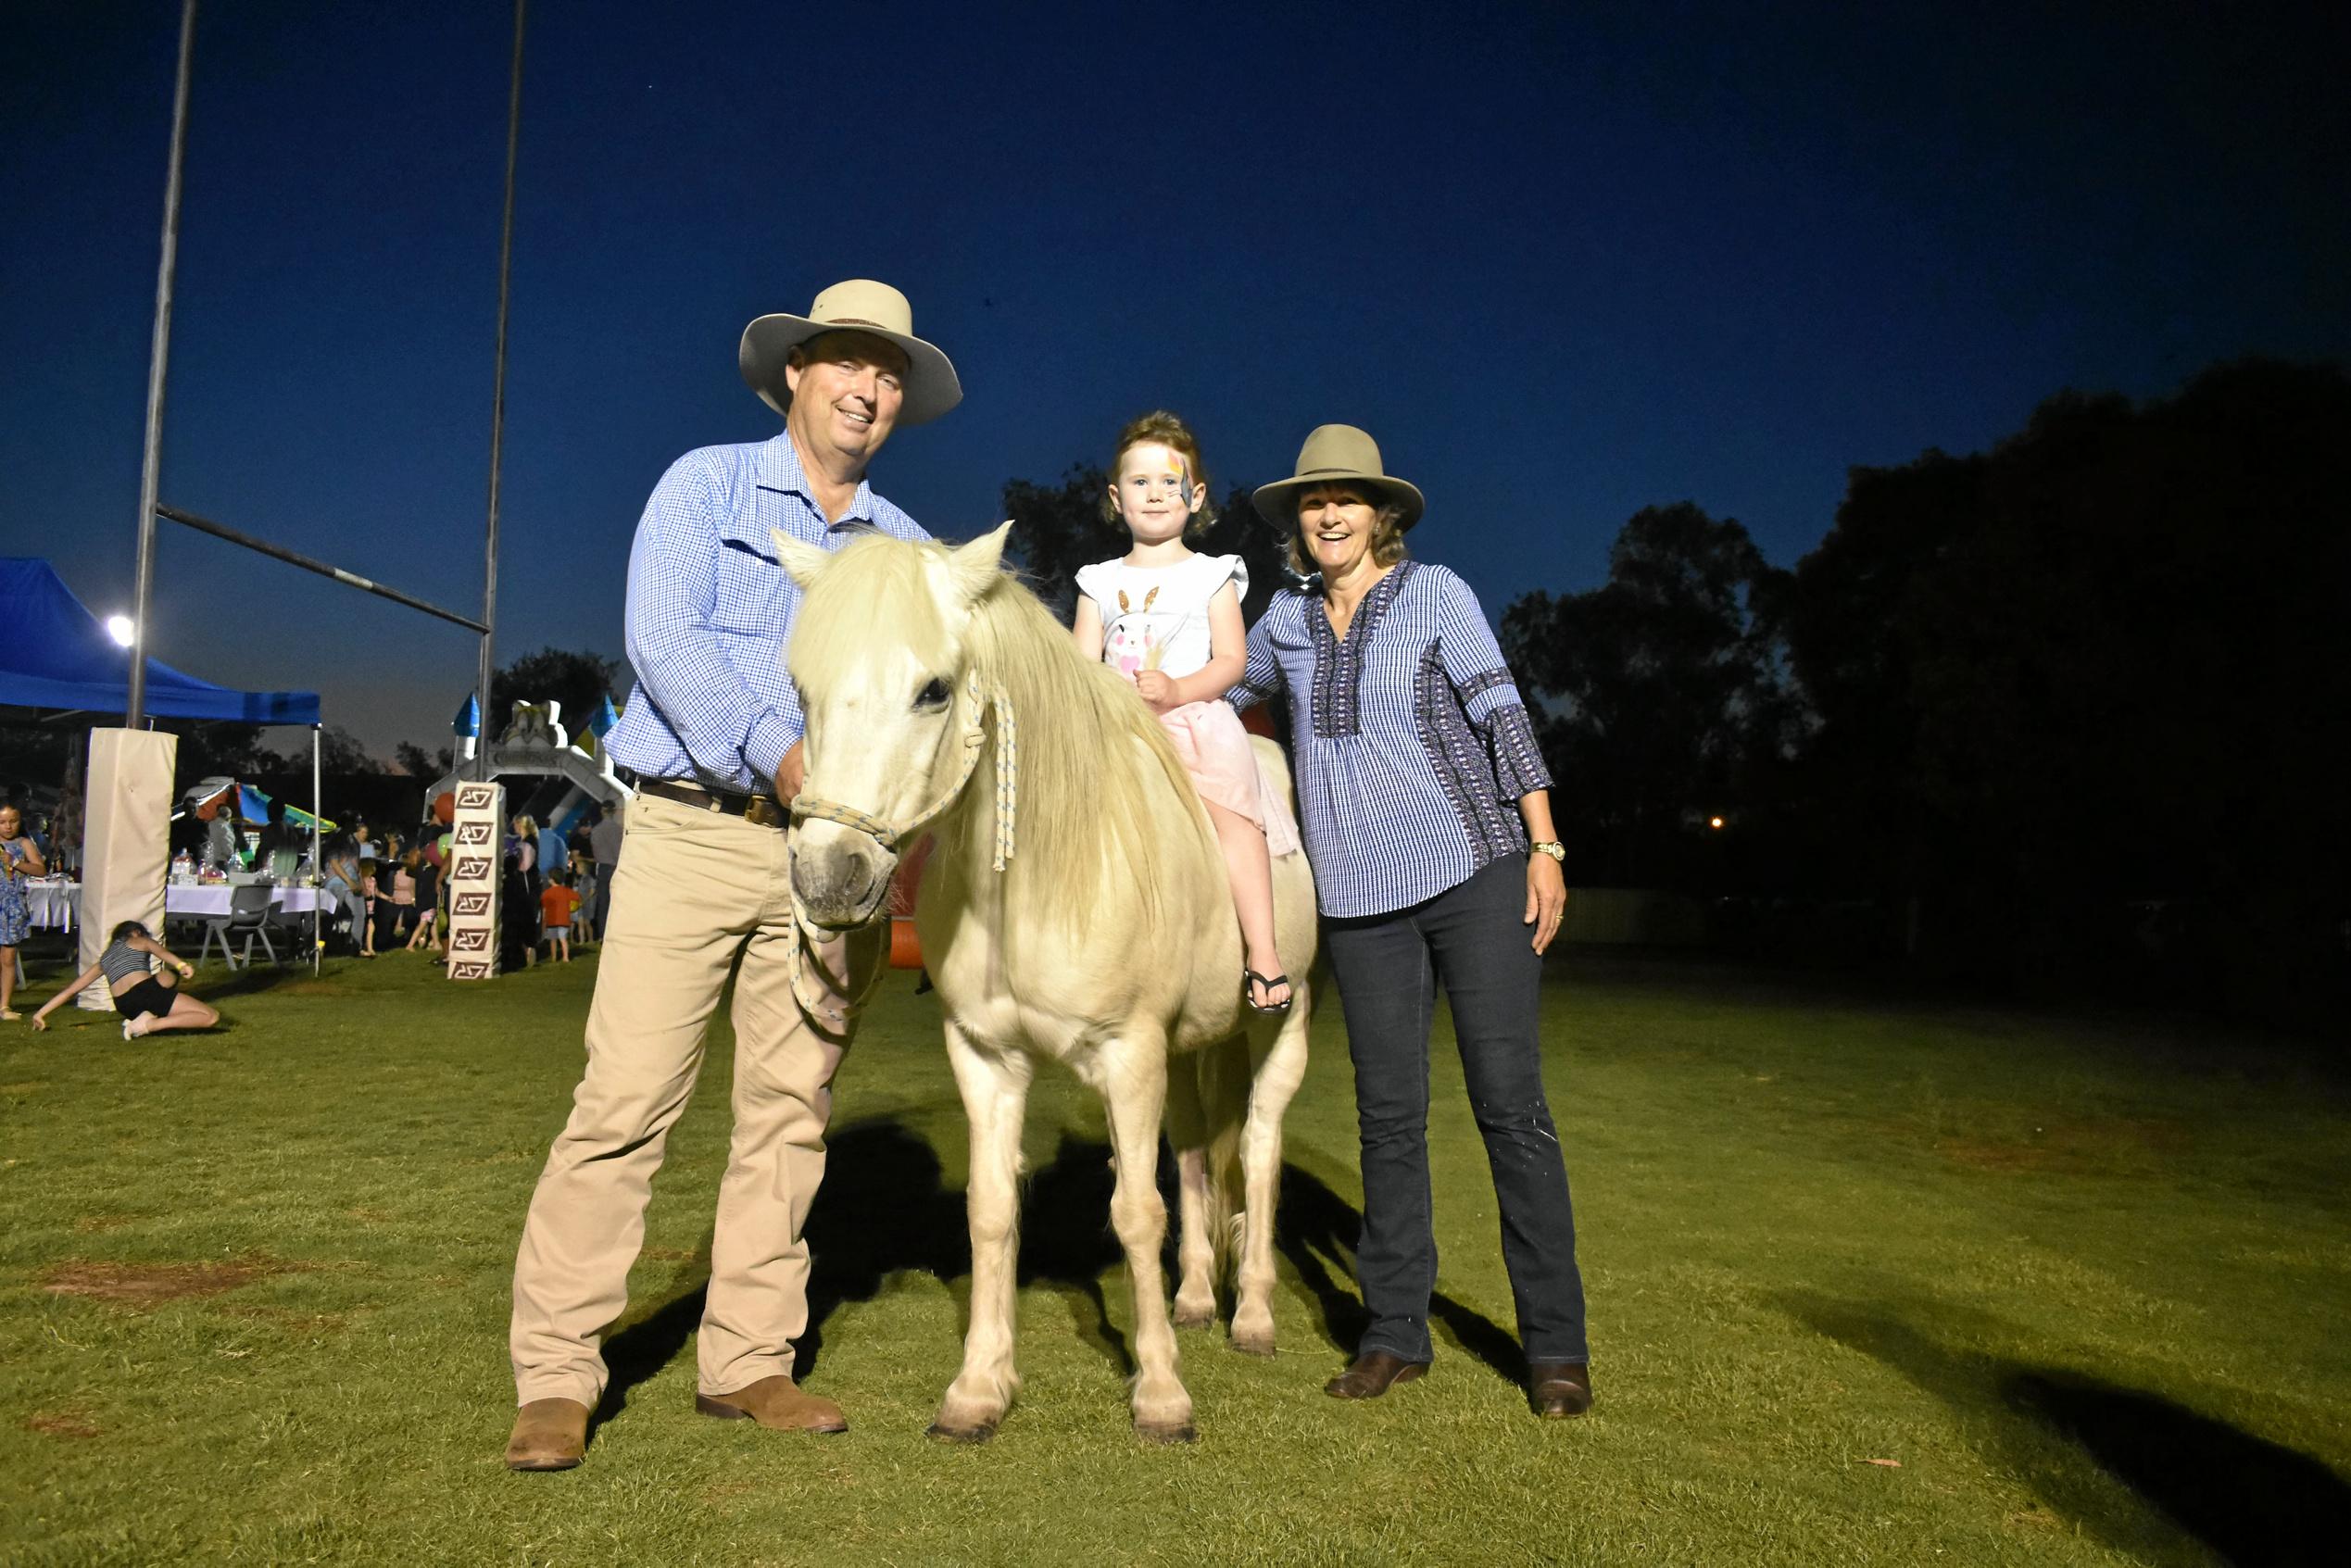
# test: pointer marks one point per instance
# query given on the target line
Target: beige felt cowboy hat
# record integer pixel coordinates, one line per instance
(858, 305)
(1335, 455)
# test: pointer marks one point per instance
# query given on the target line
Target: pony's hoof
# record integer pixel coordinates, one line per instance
(1182, 1432)
(1254, 1344)
(1195, 1317)
(977, 1434)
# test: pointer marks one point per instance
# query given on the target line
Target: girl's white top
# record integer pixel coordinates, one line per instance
(1156, 618)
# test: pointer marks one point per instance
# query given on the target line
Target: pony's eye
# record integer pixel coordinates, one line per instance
(933, 695)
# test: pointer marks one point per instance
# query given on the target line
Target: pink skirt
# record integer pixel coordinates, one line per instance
(1225, 766)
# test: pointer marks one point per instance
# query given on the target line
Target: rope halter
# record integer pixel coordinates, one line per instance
(977, 700)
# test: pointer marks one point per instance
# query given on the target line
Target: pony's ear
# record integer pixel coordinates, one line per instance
(803, 561)
(980, 565)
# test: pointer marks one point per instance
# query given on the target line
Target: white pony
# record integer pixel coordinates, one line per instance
(1075, 907)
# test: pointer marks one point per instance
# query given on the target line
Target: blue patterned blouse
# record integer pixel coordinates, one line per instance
(1410, 739)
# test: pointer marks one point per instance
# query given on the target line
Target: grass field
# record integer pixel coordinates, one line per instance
(1871, 1281)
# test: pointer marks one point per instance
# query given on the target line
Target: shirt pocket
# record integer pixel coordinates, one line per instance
(751, 596)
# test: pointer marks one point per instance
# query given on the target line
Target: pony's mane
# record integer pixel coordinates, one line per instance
(1085, 824)
(830, 634)
(1089, 822)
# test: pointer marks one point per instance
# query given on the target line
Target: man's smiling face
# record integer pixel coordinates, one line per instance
(847, 389)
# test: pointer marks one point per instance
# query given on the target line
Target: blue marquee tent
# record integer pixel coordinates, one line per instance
(54, 655)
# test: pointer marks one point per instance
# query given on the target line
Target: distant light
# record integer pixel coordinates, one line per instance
(1715, 823)
(118, 627)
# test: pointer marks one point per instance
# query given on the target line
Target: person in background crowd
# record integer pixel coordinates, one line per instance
(427, 934)
(555, 854)
(583, 883)
(519, 897)
(556, 906)
(20, 858)
(345, 882)
(148, 1002)
(221, 836)
(375, 887)
(65, 828)
(604, 843)
(277, 849)
(404, 922)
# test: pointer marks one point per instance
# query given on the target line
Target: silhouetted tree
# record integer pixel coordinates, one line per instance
(209, 747)
(1056, 530)
(1669, 687)
(340, 752)
(423, 764)
(579, 681)
(2109, 660)
(1852, 620)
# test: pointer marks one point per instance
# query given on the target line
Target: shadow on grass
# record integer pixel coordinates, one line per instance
(885, 1209)
(1317, 1230)
(258, 976)
(2255, 1503)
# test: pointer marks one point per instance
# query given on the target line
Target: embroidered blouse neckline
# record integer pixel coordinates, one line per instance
(1368, 603)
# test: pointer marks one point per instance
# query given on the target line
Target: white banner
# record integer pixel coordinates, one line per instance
(475, 840)
(126, 841)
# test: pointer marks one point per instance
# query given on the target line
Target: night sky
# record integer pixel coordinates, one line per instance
(1563, 261)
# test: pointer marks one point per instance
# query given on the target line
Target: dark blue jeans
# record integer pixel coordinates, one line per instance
(1388, 966)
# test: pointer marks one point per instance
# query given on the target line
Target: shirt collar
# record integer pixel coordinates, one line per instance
(780, 468)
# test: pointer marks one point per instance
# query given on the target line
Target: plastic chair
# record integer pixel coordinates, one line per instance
(248, 917)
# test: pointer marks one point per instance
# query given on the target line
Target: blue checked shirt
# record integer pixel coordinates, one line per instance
(711, 610)
(1410, 743)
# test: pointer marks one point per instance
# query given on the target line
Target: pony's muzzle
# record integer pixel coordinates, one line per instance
(840, 878)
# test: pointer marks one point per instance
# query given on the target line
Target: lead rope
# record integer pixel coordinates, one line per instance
(889, 838)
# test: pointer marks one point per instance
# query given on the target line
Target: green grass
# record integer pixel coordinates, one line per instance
(2066, 1274)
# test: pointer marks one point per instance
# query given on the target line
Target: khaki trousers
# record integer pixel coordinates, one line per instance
(694, 890)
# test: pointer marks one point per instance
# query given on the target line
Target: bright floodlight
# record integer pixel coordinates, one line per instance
(1713, 821)
(118, 627)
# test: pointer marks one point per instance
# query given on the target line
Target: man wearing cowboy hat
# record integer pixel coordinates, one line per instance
(712, 732)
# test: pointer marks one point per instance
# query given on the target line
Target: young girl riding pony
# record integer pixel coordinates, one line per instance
(1170, 621)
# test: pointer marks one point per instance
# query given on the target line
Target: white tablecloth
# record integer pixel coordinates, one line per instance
(212, 899)
(53, 904)
(58, 904)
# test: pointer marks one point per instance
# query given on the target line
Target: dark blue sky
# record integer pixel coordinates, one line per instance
(1563, 262)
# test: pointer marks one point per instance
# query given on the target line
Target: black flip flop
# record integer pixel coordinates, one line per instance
(1277, 1008)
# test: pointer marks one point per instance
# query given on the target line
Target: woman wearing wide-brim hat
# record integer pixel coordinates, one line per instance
(1426, 811)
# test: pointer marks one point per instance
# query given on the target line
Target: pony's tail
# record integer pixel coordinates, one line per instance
(1223, 1079)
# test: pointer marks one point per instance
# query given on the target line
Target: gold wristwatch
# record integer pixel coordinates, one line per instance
(1556, 850)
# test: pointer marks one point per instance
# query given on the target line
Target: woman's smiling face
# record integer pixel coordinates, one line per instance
(1335, 522)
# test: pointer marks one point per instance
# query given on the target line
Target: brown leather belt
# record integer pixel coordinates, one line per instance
(761, 810)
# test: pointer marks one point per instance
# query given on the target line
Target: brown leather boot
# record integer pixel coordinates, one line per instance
(1371, 1374)
(548, 1434)
(776, 1403)
(1558, 1389)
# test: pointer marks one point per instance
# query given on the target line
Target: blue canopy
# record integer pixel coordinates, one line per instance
(55, 654)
